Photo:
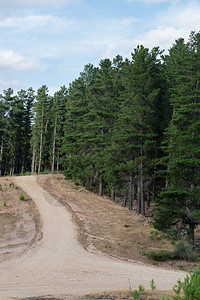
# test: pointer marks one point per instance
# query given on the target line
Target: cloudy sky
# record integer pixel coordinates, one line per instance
(49, 41)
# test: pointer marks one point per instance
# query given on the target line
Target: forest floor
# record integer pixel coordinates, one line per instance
(104, 225)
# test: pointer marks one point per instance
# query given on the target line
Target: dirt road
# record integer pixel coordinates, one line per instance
(58, 265)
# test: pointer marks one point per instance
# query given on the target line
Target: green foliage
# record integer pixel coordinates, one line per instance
(4, 204)
(185, 252)
(190, 286)
(161, 255)
(135, 295)
(165, 297)
(198, 259)
(152, 284)
(178, 204)
(21, 197)
(141, 288)
(15, 132)
(154, 233)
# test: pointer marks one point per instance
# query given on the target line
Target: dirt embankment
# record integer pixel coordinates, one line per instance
(106, 226)
(19, 220)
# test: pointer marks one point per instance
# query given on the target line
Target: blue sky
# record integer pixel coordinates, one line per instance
(49, 41)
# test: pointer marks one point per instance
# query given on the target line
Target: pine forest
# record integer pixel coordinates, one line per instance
(128, 129)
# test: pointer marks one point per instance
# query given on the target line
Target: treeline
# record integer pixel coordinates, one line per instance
(31, 130)
(115, 118)
(129, 128)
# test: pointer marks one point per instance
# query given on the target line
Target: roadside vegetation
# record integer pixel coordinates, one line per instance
(188, 289)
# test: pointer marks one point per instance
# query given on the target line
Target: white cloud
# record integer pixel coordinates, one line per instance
(27, 3)
(5, 84)
(176, 22)
(13, 61)
(53, 90)
(31, 22)
(148, 1)
(162, 36)
(183, 16)
(122, 47)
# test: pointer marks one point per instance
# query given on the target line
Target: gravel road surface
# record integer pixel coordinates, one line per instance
(57, 265)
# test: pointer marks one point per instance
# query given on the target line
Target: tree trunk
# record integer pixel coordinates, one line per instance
(1, 157)
(138, 199)
(57, 166)
(131, 192)
(101, 185)
(12, 167)
(40, 159)
(167, 179)
(113, 193)
(191, 233)
(191, 212)
(125, 200)
(142, 190)
(148, 197)
(33, 159)
(53, 150)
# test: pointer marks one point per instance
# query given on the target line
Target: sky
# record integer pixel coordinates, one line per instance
(48, 42)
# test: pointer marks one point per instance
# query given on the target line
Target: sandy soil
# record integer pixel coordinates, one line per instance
(57, 264)
(104, 225)
(19, 220)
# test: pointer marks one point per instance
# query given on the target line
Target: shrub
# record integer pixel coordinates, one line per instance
(165, 297)
(4, 204)
(198, 259)
(21, 197)
(190, 286)
(152, 284)
(185, 252)
(161, 255)
(135, 295)
(141, 288)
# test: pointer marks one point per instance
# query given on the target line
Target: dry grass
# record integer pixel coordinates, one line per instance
(127, 295)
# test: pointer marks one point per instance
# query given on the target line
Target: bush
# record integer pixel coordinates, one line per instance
(141, 288)
(198, 259)
(152, 284)
(21, 197)
(165, 297)
(185, 252)
(161, 255)
(190, 286)
(135, 295)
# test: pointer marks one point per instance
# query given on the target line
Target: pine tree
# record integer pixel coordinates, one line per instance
(58, 117)
(41, 135)
(180, 201)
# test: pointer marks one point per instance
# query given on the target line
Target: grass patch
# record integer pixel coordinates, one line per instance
(161, 255)
(184, 252)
